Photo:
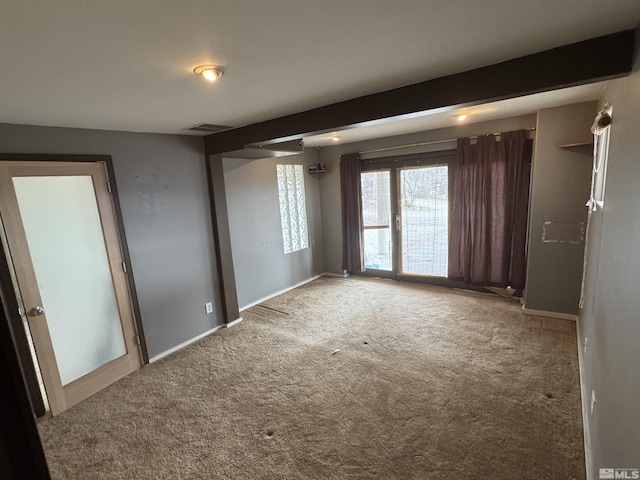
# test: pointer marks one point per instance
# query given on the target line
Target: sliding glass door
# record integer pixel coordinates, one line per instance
(424, 220)
(405, 208)
(376, 213)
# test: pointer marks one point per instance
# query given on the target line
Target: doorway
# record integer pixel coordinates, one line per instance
(405, 210)
(62, 238)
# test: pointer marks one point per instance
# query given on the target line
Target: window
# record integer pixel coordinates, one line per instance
(293, 207)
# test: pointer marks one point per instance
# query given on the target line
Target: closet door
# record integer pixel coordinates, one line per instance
(62, 236)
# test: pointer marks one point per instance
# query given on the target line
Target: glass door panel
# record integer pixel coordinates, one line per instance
(424, 214)
(62, 232)
(65, 238)
(376, 213)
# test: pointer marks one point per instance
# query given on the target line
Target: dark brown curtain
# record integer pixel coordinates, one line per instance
(490, 208)
(352, 224)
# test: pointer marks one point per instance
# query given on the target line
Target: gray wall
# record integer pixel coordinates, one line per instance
(610, 319)
(162, 187)
(560, 182)
(330, 184)
(261, 266)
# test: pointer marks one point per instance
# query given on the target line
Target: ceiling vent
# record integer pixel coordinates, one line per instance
(208, 128)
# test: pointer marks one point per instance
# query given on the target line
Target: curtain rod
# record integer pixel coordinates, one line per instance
(433, 142)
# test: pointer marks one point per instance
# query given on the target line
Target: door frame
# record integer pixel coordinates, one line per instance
(21, 452)
(394, 163)
(412, 160)
(18, 335)
(7, 288)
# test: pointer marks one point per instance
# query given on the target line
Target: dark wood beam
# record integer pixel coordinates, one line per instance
(222, 237)
(593, 60)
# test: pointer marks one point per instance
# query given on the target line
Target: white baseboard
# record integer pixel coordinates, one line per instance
(280, 292)
(584, 402)
(235, 322)
(155, 358)
(545, 313)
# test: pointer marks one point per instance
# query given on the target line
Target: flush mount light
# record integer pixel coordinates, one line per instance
(462, 118)
(335, 137)
(209, 72)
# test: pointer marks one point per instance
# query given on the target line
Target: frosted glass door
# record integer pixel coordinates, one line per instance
(69, 256)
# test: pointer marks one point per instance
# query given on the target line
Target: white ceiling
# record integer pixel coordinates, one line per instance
(127, 65)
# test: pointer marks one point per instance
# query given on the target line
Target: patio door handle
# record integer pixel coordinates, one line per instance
(398, 223)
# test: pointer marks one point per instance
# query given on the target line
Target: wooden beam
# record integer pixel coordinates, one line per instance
(593, 60)
(222, 237)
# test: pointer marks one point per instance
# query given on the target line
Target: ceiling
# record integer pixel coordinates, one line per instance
(128, 65)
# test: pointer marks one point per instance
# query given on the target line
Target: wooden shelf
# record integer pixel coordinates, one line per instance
(318, 172)
(579, 147)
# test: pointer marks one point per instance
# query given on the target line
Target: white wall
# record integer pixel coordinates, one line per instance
(261, 266)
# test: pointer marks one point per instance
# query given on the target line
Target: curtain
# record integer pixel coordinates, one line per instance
(352, 224)
(490, 211)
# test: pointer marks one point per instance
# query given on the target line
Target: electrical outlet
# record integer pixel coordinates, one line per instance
(208, 307)
(593, 401)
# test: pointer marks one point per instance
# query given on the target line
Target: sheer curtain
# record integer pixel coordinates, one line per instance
(490, 209)
(352, 224)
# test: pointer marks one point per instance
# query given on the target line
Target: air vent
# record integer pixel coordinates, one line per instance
(208, 127)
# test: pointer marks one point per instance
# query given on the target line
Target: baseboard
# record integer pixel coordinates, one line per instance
(280, 292)
(584, 402)
(235, 322)
(155, 358)
(545, 313)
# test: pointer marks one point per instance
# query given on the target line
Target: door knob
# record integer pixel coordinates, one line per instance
(36, 311)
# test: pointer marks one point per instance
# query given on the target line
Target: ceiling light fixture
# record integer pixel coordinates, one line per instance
(462, 118)
(335, 137)
(209, 72)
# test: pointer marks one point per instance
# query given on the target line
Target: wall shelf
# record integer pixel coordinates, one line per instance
(585, 148)
(318, 172)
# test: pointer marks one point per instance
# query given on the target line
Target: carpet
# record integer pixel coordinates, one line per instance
(352, 378)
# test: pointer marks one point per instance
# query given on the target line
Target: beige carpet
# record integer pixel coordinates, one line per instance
(428, 384)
